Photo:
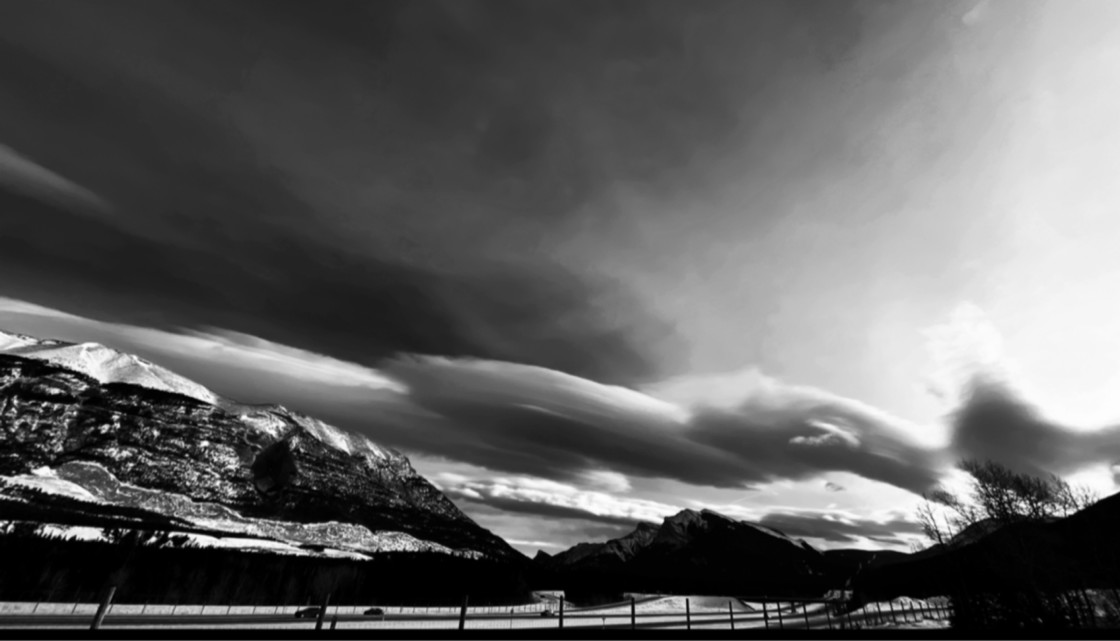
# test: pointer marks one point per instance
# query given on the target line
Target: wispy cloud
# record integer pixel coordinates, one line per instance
(965, 345)
(21, 174)
(558, 500)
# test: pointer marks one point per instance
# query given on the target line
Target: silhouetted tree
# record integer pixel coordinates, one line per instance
(999, 497)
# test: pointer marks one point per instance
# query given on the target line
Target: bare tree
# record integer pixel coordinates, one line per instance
(999, 496)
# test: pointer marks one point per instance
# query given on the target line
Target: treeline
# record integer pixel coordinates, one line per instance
(156, 569)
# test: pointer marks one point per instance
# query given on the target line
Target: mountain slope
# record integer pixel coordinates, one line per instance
(72, 410)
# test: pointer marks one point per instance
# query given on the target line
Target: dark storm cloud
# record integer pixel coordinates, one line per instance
(995, 423)
(383, 178)
(447, 166)
(367, 178)
(840, 531)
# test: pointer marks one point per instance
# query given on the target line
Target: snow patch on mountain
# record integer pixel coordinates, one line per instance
(45, 479)
(104, 365)
(91, 482)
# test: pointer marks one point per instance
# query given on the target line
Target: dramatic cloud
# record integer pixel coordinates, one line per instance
(842, 529)
(533, 421)
(994, 423)
(735, 432)
(409, 235)
(555, 500)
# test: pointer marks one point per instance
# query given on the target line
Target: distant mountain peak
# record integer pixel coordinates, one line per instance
(695, 546)
(682, 517)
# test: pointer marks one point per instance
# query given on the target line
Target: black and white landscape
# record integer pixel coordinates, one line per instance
(756, 312)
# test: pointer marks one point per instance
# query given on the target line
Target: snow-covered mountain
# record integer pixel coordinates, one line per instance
(104, 365)
(86, 425)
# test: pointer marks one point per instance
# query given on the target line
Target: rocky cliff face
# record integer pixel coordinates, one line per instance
(265, 463)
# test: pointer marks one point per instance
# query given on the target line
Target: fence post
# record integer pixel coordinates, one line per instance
(731, 615)
(828, 614)
(765, 615)
(561, 611)
(848, 615)
(894, 619)
(781, 624)
(334, 620)
(463, 612)
(103, 608)
(322, 611)
(805, 611)
(687, 614)
(879, 612)
(633, 621)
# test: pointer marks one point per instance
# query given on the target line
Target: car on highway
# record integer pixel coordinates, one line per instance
(375, 612)
(546, 613)
(307, 612)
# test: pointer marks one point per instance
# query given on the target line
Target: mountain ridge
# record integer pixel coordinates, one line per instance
(262, 462)
(693, 552)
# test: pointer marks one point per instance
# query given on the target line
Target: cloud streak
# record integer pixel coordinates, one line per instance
(529, 420)
(842, 530)
(21, 174)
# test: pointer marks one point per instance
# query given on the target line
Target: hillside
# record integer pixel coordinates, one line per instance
(83, 425)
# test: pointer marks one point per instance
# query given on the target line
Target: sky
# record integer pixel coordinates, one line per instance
(593, 263)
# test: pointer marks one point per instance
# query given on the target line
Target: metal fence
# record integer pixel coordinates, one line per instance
(741, 613)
